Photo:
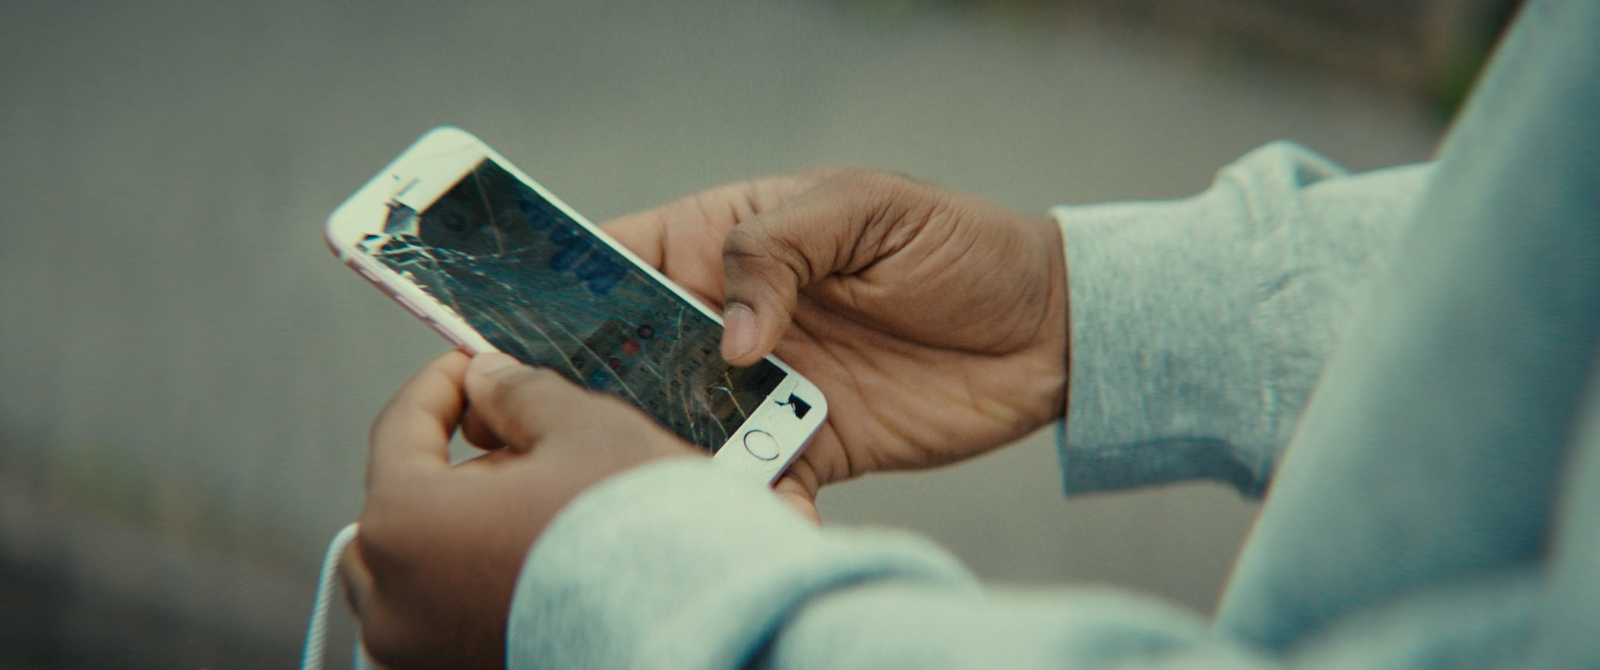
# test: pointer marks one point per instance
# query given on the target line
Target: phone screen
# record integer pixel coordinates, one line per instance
(541, 287)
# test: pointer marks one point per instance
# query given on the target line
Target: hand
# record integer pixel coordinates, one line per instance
(935, 323)
(431, 572)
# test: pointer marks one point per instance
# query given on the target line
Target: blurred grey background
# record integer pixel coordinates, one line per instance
(186, 374)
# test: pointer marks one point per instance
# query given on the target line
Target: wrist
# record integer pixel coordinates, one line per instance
(1055, 325)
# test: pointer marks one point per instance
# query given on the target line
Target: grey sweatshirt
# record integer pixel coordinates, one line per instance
(1199, 327)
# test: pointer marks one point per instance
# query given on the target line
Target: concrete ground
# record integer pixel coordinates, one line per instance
(186, 375)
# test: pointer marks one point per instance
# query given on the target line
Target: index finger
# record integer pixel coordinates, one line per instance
(412, 432)
(697, 223)
(642, 233)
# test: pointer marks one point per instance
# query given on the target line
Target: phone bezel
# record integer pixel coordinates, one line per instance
(433, 165)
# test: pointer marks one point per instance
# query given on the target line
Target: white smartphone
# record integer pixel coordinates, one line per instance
(492, 261)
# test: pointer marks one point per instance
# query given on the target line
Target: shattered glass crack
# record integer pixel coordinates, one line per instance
(541, 287)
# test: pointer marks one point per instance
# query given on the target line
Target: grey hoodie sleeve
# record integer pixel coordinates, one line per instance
(687, 564)
(1200, 326)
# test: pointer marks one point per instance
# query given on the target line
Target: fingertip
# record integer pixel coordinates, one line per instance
(741, 333)
(490, 378)
(414, 427)
(487, 364)
(517, 403)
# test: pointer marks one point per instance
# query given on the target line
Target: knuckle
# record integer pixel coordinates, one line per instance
(873, 197)
(871, 185)
(743, 243)
(756, 254)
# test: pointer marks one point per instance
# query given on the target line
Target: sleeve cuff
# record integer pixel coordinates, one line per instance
(1200, 326)
(1160, 363)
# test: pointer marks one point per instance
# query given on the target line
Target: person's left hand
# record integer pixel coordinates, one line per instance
(432, 570)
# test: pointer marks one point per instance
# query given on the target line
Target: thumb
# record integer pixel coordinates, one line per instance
(841, 225)
(794, 493)
(520, 404)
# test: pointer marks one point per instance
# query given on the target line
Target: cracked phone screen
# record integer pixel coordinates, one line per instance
(541, 287)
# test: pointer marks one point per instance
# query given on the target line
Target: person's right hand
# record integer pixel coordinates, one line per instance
(935, 323)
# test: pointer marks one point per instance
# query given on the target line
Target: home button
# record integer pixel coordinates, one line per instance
(761, 444)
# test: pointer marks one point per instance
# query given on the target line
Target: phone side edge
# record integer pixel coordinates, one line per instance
(603, 236)
(348, 220)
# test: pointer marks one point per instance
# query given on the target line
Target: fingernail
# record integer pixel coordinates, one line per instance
(739, 337)
(493, 361)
